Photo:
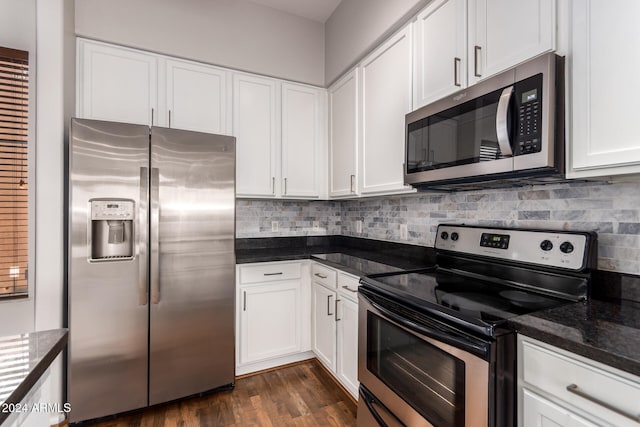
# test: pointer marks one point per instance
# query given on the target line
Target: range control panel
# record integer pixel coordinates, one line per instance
(547, 248)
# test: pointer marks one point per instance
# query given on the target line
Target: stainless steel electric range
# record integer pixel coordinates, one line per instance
(435, 348)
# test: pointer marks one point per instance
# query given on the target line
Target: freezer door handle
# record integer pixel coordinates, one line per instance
(154, 244)
(143, 213)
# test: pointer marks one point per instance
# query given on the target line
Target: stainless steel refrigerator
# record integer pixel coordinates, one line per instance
(151, 266)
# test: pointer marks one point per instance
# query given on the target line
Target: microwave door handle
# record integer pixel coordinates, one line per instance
(502, 129)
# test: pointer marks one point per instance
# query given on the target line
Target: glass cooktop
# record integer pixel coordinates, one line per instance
(474, 303)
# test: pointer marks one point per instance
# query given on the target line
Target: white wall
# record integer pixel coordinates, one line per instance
(56, 83)
(18, 31)
(357, 26)
(232, 33)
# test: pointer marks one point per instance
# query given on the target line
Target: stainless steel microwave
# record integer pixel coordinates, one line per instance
(506, 130)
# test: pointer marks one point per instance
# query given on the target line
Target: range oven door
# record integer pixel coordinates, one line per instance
(416, 374)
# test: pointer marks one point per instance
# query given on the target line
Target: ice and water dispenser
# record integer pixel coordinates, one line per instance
(111, 229)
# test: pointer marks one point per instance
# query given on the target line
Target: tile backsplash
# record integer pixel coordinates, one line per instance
(255, 218)
(612, 210)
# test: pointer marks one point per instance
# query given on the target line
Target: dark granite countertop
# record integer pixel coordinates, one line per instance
(605, 331)
(355, 265)
(25, 359)
(355, 255)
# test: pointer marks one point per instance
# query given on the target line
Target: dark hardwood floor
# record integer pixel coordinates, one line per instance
(297, 395)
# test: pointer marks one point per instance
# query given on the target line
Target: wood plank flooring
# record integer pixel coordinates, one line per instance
(297, 395)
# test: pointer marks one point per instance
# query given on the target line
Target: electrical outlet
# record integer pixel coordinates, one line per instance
(316, 225)
(274, 225)
(403, 232)
(359, 227)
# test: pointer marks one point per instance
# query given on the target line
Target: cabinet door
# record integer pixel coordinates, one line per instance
(255, 126)
(323, 306)
(301, 121)
(343, 135)
(386, 98)
(539, 412)
(604, 139)
(269, 320)
(197, 97)
(116, 84)
(504, 33)
(440, 51)
(347, 354)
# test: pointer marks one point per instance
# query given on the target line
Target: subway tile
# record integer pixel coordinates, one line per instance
(540, 215)
(629, 228)
(613, 210)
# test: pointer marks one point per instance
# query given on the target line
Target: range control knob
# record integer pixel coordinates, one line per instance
(454, 236)
(546, 245)
(444, 235)
(566, 247)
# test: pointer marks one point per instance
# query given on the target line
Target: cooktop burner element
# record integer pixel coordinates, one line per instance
(486, 276)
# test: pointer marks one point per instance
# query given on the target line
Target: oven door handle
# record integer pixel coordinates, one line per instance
(370, 400)
(445, 338)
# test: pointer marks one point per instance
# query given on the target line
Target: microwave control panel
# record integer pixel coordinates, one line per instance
(528, 96)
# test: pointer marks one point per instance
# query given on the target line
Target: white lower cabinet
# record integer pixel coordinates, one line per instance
(323, 339)
(272, 315)
(289, 311)
(269, 320)
(561, 389)
(335, 324)
(541, 412)
(347, 347)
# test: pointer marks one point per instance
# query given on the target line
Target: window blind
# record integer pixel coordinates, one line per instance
(14, 112)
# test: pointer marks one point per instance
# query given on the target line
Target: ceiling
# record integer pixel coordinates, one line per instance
(316, 10)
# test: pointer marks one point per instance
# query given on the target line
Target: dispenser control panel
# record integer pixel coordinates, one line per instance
(112, 210)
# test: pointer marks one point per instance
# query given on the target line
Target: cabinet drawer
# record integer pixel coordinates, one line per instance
(324, 275)
(348, 286)
(555, 373)
(265, 273)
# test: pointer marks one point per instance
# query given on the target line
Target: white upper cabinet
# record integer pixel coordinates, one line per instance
(198, 97)
(504, 33)
(603, 136)
(126, 85)
(386, 98)
(279, 138)
(343, 136)
(302, 122)
(280, 127)
(255, 126)
(440, 66)
(116, 84)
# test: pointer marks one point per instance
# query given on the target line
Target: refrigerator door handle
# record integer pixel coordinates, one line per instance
(154, 244)
(143, 213)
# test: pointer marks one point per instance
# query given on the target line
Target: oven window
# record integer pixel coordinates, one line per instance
(427, 378)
